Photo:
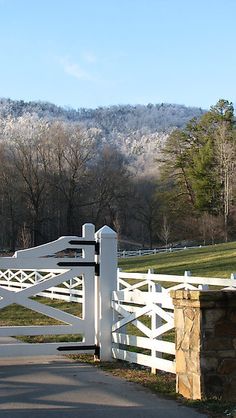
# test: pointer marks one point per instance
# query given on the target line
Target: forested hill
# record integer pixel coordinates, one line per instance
(121, 118)
(136, 131)
(122, 166)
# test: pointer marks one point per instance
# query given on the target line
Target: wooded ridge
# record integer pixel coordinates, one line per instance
(157, 174)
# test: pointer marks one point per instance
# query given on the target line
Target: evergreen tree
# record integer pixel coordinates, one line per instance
(201, 158)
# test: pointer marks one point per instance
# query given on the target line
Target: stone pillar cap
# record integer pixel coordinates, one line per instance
(201, 297)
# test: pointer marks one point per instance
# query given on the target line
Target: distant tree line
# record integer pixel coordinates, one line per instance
(110, 120)
(56, 174)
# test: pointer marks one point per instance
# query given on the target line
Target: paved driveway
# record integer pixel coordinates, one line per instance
(59, 388)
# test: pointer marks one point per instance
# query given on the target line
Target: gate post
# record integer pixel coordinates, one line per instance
(205, 324)
(105, 283)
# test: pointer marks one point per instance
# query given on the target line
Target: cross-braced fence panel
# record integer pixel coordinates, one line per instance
(142, 328)
(70, 290)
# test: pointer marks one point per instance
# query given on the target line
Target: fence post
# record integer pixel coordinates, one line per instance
(71, 290)
(118, 285)
(156, 321)
(150, 283)
(203, 287)
(105, 283)
(123, 329)
(187, 273)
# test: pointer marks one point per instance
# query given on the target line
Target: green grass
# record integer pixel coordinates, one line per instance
(212, 261)
(16, 315)
(51, 338)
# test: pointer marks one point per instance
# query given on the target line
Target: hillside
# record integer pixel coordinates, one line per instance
(121, 118)
(210, 261)
(137, 131)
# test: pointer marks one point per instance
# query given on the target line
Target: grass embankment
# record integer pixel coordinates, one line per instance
(211, 261)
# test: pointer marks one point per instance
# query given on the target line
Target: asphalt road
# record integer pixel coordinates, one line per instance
(59, 388)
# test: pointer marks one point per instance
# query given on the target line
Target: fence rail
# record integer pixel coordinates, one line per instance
(16, 280)
(145, 314)
(143, 311)
(126, 281)
(147, 296)
(143, 252)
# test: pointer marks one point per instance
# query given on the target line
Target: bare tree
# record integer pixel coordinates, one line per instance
(211, 228)
(72, 149)
(165, 231)
(111, 186)
(25, 138)
(225, 153)
(11, 205)
(145, 209)
(24, 237)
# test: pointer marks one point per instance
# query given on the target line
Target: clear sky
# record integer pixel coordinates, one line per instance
(90, 53)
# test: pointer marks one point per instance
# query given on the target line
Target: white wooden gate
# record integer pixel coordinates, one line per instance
(80, 270)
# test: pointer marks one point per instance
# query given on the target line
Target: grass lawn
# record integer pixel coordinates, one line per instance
(19, 315)
(16, 315)
(211, 261)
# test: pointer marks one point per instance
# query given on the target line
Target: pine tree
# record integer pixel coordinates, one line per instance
(201, 160)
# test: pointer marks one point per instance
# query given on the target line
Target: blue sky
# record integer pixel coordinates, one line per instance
(90, 53)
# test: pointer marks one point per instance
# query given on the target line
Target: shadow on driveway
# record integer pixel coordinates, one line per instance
(59, 388)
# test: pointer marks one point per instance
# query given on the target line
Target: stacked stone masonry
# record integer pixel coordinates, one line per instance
(205, 324)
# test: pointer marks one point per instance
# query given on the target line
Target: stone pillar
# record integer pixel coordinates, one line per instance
(205, 324)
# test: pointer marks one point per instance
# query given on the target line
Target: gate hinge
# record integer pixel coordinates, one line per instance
(84, 243)
(97, 248)
(97, 269)
(94, 347)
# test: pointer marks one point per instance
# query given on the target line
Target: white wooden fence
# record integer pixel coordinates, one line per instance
(142, 327)
(153, 251)
(143, 303)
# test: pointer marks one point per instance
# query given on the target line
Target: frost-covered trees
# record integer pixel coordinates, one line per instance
(103, 166)
(52, 179)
